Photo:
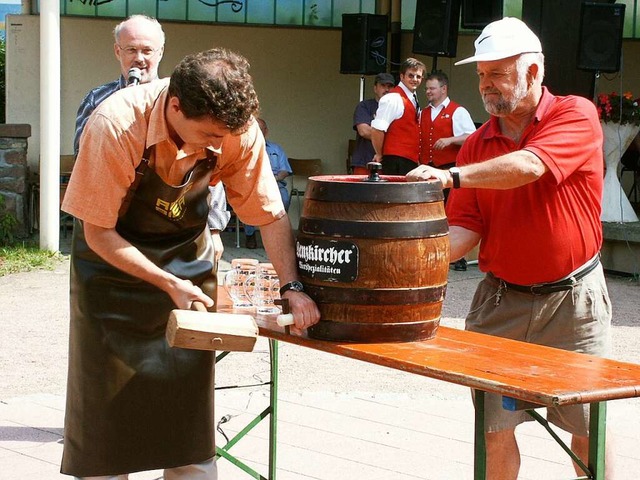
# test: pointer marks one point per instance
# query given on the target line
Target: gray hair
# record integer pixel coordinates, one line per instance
(524, 61)
(152, 21)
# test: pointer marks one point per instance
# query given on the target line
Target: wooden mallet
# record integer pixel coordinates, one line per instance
(200, 329)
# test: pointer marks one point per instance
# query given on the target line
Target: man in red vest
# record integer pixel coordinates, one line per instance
(444, 126)
(395, 132)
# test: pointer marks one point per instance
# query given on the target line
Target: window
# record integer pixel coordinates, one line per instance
(312, 13)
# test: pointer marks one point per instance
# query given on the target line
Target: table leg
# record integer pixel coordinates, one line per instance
(273, 400)
(480, 447)
(597, 439)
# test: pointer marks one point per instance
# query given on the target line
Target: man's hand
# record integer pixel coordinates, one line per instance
(424, 172)
(184, 293)
(443, 143)
(305, 311)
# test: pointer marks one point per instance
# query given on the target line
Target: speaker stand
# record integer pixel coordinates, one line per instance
(434, 64)
(594, 86)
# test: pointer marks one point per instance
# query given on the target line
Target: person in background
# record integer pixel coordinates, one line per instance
(528, 187)
(141, 248)
(139, 43)
(281, 170)
(395, 132)
(364, 113)
(444, 126)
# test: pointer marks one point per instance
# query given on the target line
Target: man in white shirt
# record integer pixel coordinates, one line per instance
(395, 132)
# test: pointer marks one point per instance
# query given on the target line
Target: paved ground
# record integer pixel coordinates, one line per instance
(338, 418)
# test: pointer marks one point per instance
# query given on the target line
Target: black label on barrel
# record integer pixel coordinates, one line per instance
(329, 260)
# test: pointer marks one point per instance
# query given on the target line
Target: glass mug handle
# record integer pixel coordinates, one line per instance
(249, 287)
(232, 283)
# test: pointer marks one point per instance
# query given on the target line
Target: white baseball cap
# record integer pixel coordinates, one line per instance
(502, 39)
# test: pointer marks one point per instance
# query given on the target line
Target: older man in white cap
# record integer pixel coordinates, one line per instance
(528, 187)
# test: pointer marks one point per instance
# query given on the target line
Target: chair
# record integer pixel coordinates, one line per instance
(302, 169)
(66, 166)
(350, 148)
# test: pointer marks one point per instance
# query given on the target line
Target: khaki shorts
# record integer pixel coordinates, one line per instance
(578, 320)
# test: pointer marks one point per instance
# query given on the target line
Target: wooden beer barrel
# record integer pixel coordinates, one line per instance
(374, 256)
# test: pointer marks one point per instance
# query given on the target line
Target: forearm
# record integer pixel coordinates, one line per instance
(279, 244)
(364, 130)
(281, 175)
(501, 173)
(377, 140)
(505, 172)
(461, 241)
(459, 140)
(117, 251)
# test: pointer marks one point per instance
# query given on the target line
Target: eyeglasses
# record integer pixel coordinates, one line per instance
(146, 52)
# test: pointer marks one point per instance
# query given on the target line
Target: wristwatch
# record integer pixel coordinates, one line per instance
(295, 286)
(455, 176)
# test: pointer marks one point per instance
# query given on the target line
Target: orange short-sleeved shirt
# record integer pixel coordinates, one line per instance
(132, 119)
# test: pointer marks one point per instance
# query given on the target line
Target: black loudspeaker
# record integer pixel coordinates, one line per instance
(435, 31)
(477, 14)
(364, 43)
(600, 45)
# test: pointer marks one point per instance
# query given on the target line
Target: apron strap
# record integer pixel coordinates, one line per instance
(140, 171)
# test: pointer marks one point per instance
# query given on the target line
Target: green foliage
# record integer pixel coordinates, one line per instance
(8, 223)
(24, 257)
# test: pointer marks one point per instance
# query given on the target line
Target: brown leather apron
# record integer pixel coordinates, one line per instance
(133, 402)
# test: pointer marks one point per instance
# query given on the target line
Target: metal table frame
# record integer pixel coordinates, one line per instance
(464, 358)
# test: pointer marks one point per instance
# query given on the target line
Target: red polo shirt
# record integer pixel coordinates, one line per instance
(542, 231)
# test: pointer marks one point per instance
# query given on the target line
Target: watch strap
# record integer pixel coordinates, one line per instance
(455, 177)
(296, 286)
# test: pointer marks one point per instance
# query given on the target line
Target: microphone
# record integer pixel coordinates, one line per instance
(135, 75)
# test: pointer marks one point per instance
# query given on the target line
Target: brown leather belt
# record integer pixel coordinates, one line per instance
(559, 286)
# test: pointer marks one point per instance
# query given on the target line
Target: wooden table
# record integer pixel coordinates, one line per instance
(525, 372)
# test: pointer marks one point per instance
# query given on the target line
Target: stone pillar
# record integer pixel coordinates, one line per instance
(13, 172)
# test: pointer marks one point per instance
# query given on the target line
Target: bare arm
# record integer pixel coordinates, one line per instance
(501, 173)
(377, 140)
(364, 130)
(461, 241)
(279, 243)
(114, 249)
(445, 142)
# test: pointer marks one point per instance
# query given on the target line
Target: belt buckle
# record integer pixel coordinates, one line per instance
(533, 288)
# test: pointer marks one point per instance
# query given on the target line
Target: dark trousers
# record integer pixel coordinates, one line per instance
(394, 165)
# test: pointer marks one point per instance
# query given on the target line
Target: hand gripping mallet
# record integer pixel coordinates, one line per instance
(285, 319)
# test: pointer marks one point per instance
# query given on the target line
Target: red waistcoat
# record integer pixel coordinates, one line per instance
(403, 136)
(431, 131)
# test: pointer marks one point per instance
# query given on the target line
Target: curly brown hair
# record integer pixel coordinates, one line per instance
(216, 83)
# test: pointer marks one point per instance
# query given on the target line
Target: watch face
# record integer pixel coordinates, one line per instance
(297, 286)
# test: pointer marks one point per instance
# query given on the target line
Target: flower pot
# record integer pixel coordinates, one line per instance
(615, 204)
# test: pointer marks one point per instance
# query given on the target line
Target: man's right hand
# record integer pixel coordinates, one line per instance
(424, 172)
(184, 293)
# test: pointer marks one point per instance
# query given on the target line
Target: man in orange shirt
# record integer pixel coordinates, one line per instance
(141, 248)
